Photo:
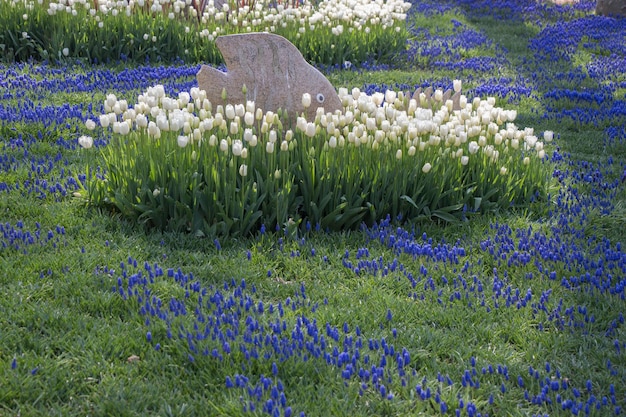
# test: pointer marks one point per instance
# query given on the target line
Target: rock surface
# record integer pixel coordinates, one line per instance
(611, 8)
(274, 72)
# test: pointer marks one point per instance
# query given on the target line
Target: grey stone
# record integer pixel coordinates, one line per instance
(274, 72)
(611, 8)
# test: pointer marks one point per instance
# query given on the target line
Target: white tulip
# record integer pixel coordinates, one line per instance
(310, 129)
(85, 142)
(183, 140)
(237, 147)
(229, 112)
(548, 135)
(105, 121)
(124, 127)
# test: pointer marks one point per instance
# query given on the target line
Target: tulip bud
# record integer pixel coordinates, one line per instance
(183, 140)
(548, 135)
(85, 142)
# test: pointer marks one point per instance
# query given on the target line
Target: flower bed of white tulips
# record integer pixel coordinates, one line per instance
(179, 163)
(329, 32)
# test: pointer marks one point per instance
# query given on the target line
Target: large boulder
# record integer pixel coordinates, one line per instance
(611, 8)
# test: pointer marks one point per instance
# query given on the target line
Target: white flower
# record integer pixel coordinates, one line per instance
(223, 145)
(284, 146)
(237, 147)
(65, 51)
(124, 128)
(183, 140)
(247, 135)
(141, 120)
(310, 129)
(240, 110)
(243, 170)
(90, 124)
(85, 142)
(269, 147)
(183, 98)
(110, 100)
(390, 96)
(426, 168)
(248, 118)
(162, 122)
(104, 120)
(153, 129)
(399, 154)
(229, 111)
(464, 160)
(306, 100)
(156, 192)
(332, 142)
(548, 135)
(531, 141)
(526, 160)
(456, 85)
(503, 171)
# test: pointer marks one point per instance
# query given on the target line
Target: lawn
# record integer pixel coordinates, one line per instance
(510, 312)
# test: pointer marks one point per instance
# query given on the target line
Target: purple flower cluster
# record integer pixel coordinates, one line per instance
(510, 269)
(42, 174)
(234, 325)
(18, 238)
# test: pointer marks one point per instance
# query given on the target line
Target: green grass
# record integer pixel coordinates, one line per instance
(72, 335)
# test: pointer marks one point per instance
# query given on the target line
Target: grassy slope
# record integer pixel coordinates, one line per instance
(72, 336)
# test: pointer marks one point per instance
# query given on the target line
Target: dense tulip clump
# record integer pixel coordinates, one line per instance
(327, 32)
(177, 163)
(515, 313)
